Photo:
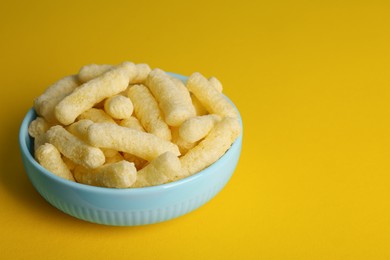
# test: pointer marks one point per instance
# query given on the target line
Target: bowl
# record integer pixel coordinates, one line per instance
(131, 206)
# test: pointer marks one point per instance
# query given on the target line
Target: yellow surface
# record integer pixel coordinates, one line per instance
(311, 79)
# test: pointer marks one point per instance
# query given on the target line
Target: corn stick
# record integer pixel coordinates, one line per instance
(148, 112)
(44, 105)
(212, 147)
(74, 148)
(163, 169)
(209, 97)
(87, 95)
(144, 145)
(115, 175)
(174, 102)
(50, 158)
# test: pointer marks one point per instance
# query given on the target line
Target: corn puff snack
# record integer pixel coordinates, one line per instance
(129, 126)
(92, 71)
(38, 126)
(121, 174)
(199, 108)
(37, 129)
(195, 128)
(44, 105)
(209, 97)
(118, 107)
(80, 128)
(163, 169)
(183, 145)
(148, 112)
(50, 158)
(69, 163)
(212, 147)
(39, 140)
(175, 103)
(216, 84)
(138, 162)
(144, 145)
(74, 148)
(87, 95)
(132, 122)
(96, 115)
(113, 157)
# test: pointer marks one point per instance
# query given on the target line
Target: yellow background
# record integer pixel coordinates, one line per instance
(311, 79)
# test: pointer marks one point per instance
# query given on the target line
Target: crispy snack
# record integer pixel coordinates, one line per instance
(199, 108)
(108, 153)
(132, 122)
(37, 129)
(174, 102)
(163, 169)
(212, 147)
(92, 71)
(196, 128)
(113, 157)
(216, 84)
(143, 71)
(74, 148)
(80, 128)
(118, 107)
(176, 80)
(121, 174)
(209, 97)
(96, 115)
(38, 126)
(69, 163)
(183, 145)
(87, 95)
(144, 145)
(138, 162)
(39, 140)
(50, 158)
(96, 138)
(44, 105)
(184, 92)
(148, 112)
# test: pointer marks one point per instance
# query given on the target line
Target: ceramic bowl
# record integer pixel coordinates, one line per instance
(131, 206)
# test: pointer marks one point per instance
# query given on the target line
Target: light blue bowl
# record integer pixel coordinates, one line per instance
(132, 206)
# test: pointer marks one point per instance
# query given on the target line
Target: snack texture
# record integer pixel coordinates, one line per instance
(74, 148)
(174, 101)
(87, 95)
(130, 126)
(209, 96)
(50, 158)
(144, 145)
(212, 147)
(121, 174)
(148, 112)
(44, 105)
(166, 167)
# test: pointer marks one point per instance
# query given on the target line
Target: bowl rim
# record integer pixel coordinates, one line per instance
(31, 114)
